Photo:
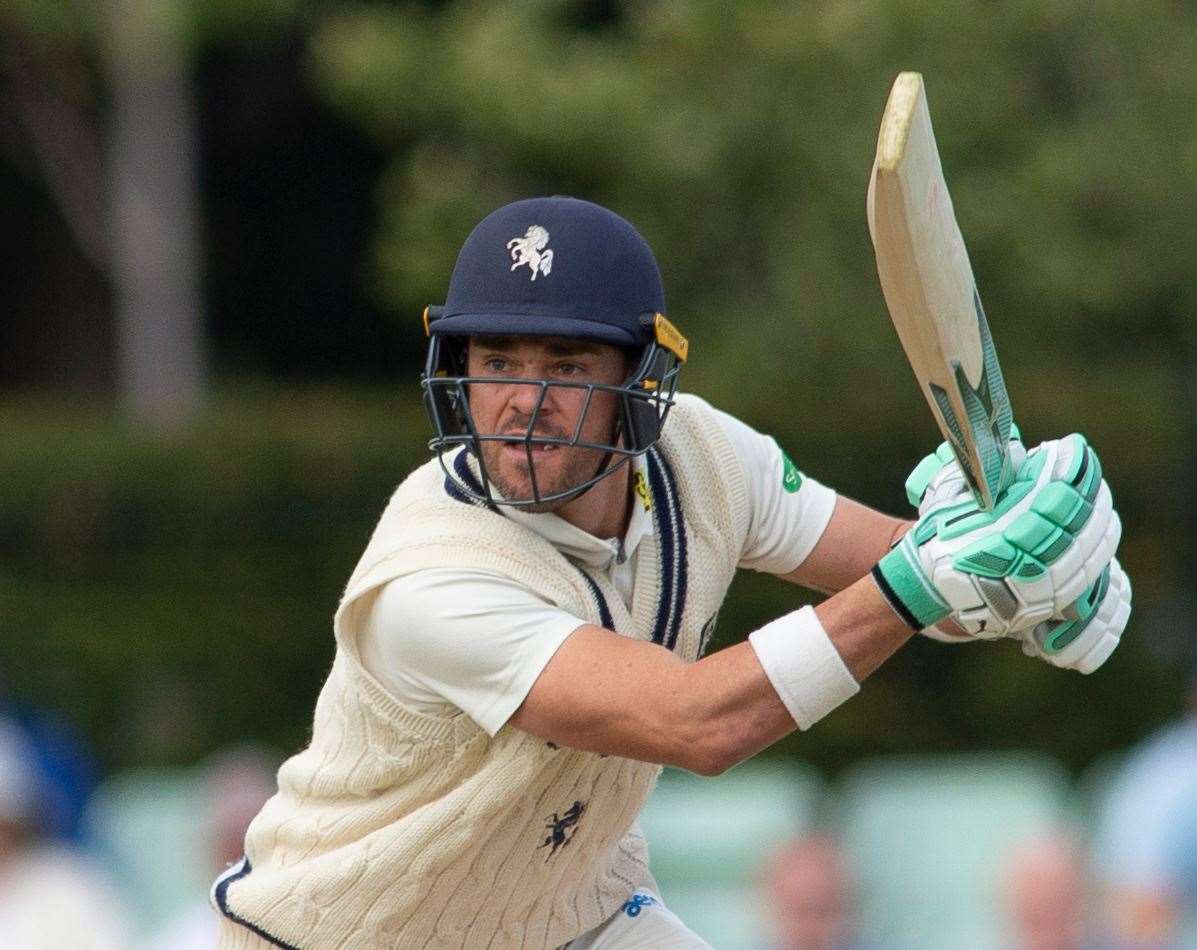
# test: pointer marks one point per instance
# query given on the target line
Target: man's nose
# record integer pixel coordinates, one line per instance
(524, 398)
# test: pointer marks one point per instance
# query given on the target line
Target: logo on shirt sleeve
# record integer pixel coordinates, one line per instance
(791, 478)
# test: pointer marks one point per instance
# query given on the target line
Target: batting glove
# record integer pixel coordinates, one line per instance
(1089, 629)
(1049, 538)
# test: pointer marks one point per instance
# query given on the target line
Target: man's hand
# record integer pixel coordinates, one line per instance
(1047, 542)
(1085, 635)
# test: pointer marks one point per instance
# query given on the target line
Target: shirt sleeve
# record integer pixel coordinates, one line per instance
(788, 511)
(473, 639)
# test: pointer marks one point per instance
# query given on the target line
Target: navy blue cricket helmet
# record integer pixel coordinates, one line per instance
(552, 267)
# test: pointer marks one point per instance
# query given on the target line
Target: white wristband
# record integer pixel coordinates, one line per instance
(803, 666)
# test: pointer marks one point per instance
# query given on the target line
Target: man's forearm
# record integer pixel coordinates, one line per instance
(813, 661)
(612, 694)
(862, 626)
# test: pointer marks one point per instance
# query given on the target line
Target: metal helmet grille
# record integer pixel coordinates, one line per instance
(643, 403)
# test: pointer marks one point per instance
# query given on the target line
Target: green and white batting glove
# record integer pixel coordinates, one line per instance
(1046, 543)
(1084, 635)
(1089, 629)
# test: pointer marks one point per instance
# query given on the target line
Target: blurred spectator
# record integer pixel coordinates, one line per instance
(810, 896)
(50, 897)
(67, 768)
(1046, 896)
(236, 783)
(64, 761)
(1147, 840)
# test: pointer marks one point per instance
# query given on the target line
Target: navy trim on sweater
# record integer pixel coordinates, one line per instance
(461, 465)
(604, 611)
(220, 893)
(671, 544)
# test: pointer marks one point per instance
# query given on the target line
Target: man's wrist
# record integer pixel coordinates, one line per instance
(905, 586)
(803, 666)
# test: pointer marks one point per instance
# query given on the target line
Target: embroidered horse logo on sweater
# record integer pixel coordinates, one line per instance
(562, 828)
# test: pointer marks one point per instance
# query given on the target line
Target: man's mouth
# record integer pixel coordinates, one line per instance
(521, 448)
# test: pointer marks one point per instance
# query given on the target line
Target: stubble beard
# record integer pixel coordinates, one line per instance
(580, 465)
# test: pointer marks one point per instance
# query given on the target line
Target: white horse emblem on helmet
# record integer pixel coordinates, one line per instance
(531, 250)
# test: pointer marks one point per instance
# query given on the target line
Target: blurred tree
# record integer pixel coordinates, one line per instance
(123, 178)
(153, 217)
(289, 210)
(105, 115)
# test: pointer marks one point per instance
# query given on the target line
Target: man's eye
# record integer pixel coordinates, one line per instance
(494, 365)
(569, 369)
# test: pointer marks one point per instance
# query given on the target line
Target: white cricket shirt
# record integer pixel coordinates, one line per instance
(478, 641)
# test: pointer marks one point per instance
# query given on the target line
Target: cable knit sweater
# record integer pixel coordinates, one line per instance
(399, 829)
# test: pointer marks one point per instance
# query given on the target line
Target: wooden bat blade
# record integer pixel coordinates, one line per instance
(931, 294)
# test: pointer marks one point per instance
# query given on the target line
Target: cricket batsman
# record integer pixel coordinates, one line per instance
(521, 646)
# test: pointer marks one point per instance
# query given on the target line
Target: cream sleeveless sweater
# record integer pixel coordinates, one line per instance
(399, 829)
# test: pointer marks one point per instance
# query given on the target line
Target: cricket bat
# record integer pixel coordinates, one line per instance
(931, 294)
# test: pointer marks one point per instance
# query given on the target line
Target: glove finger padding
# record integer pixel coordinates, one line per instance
(1087, 631)
(1049, 536)
(938, 480)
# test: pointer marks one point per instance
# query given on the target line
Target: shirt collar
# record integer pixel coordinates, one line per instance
(582, 546)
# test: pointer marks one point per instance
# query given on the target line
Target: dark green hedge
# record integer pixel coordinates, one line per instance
(172, 595)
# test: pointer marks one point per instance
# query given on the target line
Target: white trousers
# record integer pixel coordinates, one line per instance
(643, 923)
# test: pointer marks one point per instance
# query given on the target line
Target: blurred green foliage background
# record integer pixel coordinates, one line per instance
(169, 592)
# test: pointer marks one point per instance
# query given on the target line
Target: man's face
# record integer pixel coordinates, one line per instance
(507, 407)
